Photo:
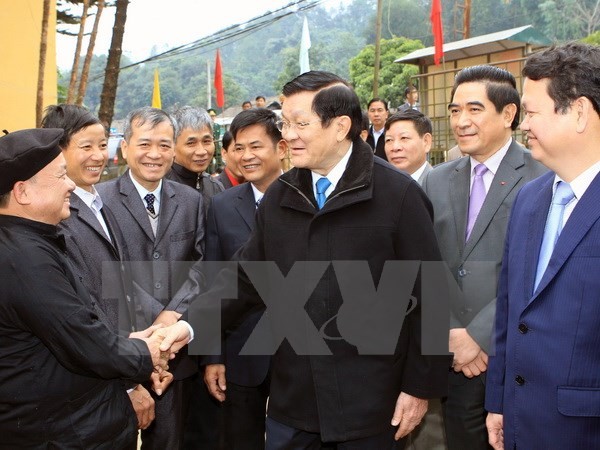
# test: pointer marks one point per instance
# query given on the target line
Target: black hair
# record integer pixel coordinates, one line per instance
(573, 71)
(227, 140)
(421, 122)
(71, 118)
(334, 98)
(501, 86)
(256, 116)
(377, 99)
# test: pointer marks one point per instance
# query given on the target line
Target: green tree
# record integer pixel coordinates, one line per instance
(393, 78)
(593, 38)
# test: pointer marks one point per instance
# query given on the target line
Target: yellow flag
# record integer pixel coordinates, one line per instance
(156, 91)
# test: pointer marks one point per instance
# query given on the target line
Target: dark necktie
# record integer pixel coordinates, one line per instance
(150, 203)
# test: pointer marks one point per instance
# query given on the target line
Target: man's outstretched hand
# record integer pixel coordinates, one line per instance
(173, 337)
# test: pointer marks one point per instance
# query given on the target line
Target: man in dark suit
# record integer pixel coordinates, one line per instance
(338, 203)
(377, 110)
(408, 138)
(95, 244)
(471, 199)
(231, 174)
(61, 366)
(258, 150)
(543, 387)
(164, 222)
(194, 151)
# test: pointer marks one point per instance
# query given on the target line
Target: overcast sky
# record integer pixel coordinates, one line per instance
(166, 24)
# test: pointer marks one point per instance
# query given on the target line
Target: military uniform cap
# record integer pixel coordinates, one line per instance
(24, 153)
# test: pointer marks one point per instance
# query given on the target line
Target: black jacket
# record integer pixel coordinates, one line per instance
(205, 184)
(59, 364)
(378, 149)
(375, 214)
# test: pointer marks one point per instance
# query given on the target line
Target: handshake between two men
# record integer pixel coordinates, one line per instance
(164, 339)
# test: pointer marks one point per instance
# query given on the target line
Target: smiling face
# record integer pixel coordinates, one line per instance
(311, 145)
(547, 143)
(86, 155)
(257, 156)
(194, 149)
(47, 193)
(479, 130)
(404, 148)
(149, 152)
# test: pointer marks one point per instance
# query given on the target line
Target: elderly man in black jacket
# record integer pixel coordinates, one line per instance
(60, 365)
(345, 217)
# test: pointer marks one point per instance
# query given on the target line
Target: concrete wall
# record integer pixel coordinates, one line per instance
(20, 34)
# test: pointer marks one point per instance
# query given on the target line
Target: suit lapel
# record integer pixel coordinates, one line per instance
(246, 206)
(505, 179)
(583, 217)
(459, 198)
(132, 201)
(428, 169)
(535, 234)
(86, 215)
(168, 206)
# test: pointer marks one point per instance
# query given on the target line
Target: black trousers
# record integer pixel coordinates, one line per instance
(204, 425)
(166, 432)
(284, 437)
(464, 413)
(244, 414)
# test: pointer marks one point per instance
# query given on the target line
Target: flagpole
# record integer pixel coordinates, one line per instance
(208, 82)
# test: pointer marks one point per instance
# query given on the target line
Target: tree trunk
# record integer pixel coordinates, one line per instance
(111, 73)
(85, 72)
(75, 69)
(39, 104)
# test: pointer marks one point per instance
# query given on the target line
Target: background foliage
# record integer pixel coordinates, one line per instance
(342, 42)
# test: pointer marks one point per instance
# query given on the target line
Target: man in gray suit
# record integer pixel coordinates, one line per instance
(472, 198)
(92, 234)
(164, 223)
(408, 137)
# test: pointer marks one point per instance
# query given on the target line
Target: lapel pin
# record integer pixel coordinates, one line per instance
(502, 183)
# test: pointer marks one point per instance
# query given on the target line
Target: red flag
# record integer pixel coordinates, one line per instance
(219, 81)
(438, 31)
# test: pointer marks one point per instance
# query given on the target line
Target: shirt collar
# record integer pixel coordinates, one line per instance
(493, 162)
(89, 198)
(257, 194)
(580, 184)
(417, 173)
(334, 174)
(142, 191)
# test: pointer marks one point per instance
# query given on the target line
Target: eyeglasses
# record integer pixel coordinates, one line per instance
(284, 125)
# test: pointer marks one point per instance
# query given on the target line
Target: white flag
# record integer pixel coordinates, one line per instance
(304, 46)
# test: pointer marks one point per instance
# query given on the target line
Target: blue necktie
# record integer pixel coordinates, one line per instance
(554, 224)
(322, 185)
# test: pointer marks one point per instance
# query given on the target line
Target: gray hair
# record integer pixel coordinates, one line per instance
(143, 115)
(193, 118)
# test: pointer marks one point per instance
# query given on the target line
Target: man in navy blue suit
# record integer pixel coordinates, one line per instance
(258, 151)
(543, 385)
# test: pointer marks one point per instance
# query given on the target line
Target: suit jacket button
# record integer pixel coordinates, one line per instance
(156, 255)
(523, 328)
(158, 285)
(520, 380)
(462, 273)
